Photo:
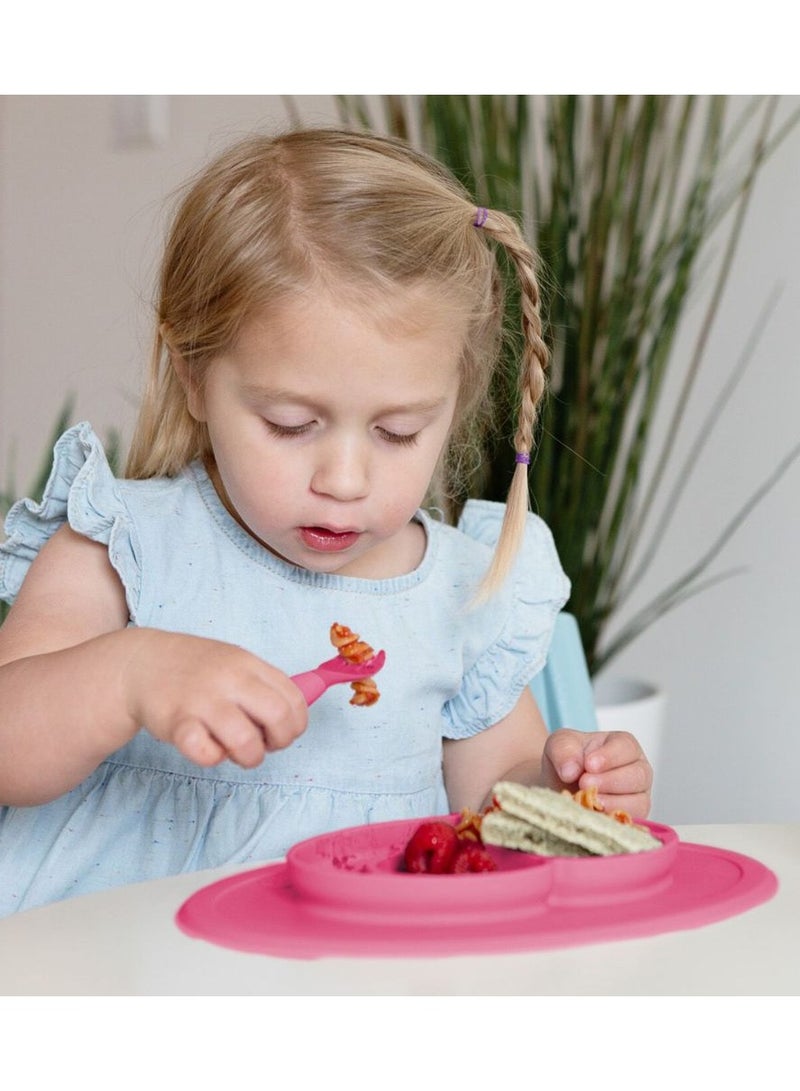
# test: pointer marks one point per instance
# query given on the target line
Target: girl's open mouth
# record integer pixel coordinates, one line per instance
(328, 541)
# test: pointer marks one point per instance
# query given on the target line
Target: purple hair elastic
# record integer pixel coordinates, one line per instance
(481, 216)
(520, 456)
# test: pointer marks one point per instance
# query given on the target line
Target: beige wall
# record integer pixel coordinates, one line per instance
(80, 222)
(80, 230)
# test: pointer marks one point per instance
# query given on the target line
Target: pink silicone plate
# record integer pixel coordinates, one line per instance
(344, 894)
(355, 874)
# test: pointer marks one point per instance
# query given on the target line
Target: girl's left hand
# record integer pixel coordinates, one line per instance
(611, 761)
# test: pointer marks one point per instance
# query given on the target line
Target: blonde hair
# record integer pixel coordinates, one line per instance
(363, 215)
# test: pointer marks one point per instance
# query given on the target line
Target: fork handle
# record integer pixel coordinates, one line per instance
(310, 684)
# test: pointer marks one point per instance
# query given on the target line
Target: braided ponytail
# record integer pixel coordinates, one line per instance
(531, 386)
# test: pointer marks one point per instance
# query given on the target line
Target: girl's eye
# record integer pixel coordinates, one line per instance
(399, 438)
(288, 429)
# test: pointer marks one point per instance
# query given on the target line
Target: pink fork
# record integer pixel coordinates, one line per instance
(312, 684)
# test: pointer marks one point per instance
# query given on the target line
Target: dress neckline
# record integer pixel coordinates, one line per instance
(259, 554)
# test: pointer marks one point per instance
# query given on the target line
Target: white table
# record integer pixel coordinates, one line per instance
(125, 942)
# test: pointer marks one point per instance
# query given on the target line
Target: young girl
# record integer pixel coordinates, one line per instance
(328, 322)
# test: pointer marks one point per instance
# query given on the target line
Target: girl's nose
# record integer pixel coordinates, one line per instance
(342, 471)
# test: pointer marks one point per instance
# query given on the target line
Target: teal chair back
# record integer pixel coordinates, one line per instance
(563, 689)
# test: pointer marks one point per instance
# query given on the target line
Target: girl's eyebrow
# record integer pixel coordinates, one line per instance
(276, 395)
(425, 405)
(270, 393)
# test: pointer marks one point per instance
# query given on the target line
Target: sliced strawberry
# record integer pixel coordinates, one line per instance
(431, 848)
(471, 857)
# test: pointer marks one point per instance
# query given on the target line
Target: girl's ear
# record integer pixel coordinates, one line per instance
(188, 380)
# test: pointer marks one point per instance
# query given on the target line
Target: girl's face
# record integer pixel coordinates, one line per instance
(326, 429)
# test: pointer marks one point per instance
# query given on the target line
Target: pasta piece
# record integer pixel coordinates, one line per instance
(469, 825)
(349, 645)
(365, 692)
(353, 649)
(587, 797)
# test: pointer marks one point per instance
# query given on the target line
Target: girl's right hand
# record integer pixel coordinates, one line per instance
(211, 700)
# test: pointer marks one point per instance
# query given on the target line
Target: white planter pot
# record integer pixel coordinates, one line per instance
(630, 704)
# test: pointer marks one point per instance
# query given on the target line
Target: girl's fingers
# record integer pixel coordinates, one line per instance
(629, 779)
(280, 715)
(610, 750)
(261, 720)
(625, 788)
(565, 752)
(241, 739)
(213, 701)
(197, 744)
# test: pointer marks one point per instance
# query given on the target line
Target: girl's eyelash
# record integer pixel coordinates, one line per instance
(288, 430)
(398, 438)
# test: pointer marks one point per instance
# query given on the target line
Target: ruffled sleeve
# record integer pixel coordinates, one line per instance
(517, 623)
(83, 492)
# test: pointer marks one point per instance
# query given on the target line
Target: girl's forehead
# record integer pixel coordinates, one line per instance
(309, 344)
(413, 311)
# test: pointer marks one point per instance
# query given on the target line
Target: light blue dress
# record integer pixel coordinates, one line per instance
(188, 566)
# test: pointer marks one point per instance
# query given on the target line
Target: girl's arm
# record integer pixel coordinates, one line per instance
(76, 683)
(56, 671)
(519, 748)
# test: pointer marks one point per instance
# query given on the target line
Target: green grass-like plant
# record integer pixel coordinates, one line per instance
(636, 205)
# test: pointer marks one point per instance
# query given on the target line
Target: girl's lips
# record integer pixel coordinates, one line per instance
(328, 541)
